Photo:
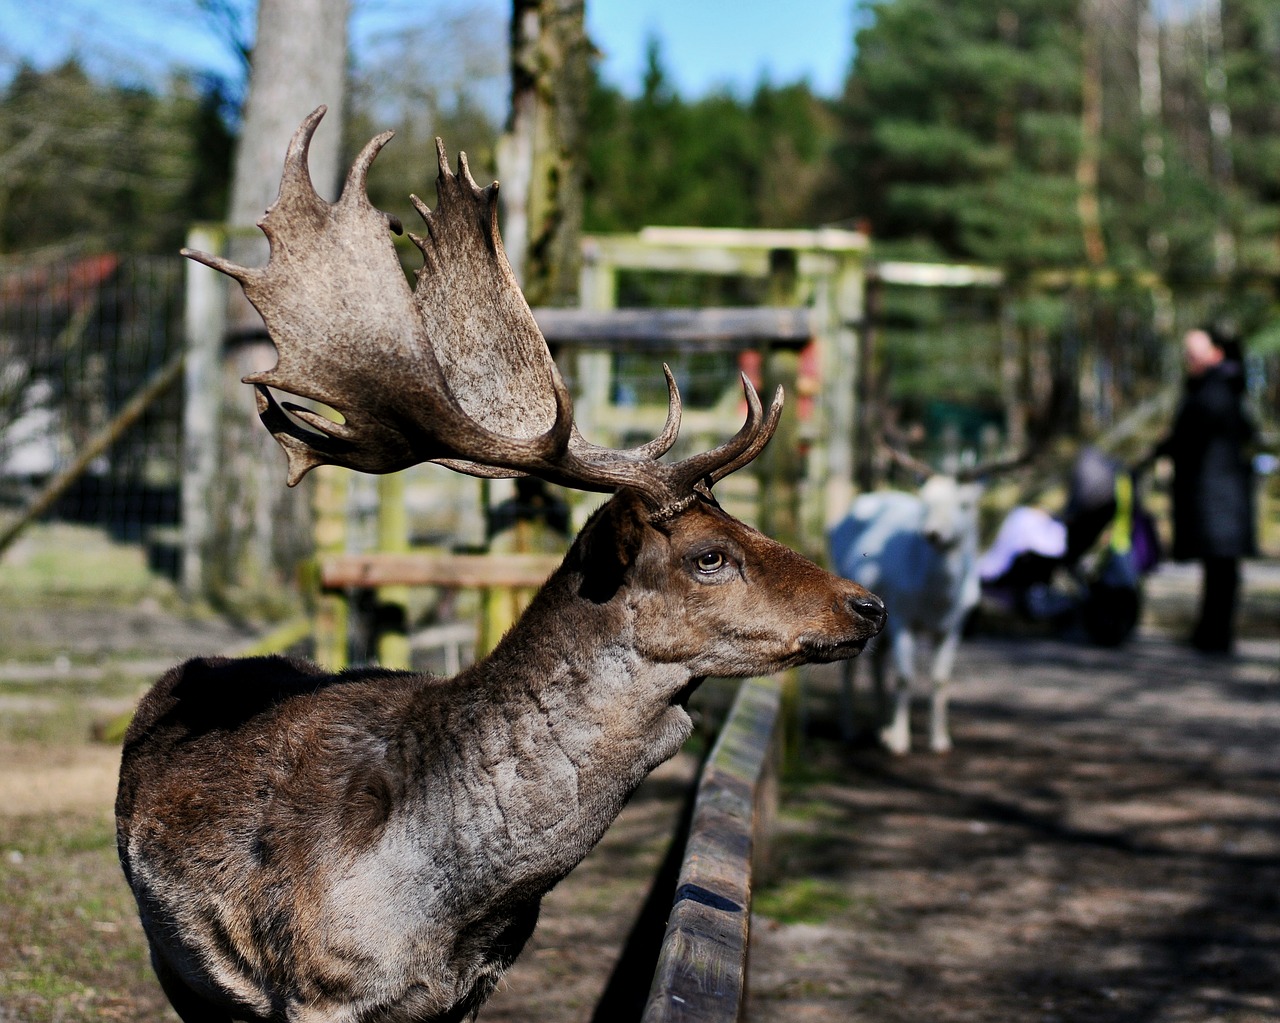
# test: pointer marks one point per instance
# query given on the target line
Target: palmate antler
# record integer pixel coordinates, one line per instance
(453, 371)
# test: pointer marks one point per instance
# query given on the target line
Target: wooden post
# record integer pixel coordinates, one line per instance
(780, 467)
(780, 471)
(499, 614)
(868, 411)
(528, 534)
(204, 323)
(392, 613)
(598, 291)
(332, 613)
(598, 288)
(845, 316)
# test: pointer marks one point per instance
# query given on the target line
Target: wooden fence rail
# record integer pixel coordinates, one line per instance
(418, 568)
(702, 966)
(665, 330)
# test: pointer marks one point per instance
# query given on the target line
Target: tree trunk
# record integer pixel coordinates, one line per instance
(1221, 164)
(1151, 104)
(1087, 204)
(541, 163)
(298, 62)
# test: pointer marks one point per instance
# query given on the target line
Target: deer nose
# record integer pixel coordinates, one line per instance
(869, 607)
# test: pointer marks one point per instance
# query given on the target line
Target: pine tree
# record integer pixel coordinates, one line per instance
(716, 161)
(960, 129)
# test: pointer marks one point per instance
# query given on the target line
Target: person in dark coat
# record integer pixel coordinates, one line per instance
(1213, 490)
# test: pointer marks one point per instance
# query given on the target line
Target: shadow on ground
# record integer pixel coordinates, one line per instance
(1103, 845)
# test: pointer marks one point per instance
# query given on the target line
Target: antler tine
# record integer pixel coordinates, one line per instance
(654, 449)
(296, 190)
(670, 488)
(344, 321)
(713, 466)
(996, 466)
(661, 444)
(763, 435)
(907, 461)
(358, 177)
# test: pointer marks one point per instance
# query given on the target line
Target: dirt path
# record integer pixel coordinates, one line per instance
(37, 780)
(1101, 846)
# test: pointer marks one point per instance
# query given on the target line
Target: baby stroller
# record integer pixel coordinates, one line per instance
(1084, 566)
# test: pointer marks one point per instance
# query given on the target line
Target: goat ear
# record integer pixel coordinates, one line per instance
(613, 542)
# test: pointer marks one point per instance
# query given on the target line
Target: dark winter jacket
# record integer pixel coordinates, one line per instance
(1213, 491)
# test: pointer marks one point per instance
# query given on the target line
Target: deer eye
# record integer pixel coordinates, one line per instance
(710, 561)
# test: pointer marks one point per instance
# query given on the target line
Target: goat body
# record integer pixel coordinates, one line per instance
(373, 846)
(919, 553)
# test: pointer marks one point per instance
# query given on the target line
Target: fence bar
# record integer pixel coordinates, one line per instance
(204, 324)
(702, 967)
(660, 330)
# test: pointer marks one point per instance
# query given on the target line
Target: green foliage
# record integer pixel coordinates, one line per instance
(803, 900)
(961, 132)
(1251, 65)
(957, 125)
(959, 136)
(712, 162)
(92, 166)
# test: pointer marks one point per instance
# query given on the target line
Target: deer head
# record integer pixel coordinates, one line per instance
(454, 370)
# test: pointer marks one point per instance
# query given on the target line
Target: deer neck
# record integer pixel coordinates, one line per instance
(576, 718)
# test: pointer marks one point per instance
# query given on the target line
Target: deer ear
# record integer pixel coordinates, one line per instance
(613, 541)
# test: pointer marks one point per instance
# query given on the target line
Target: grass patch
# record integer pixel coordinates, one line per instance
(60, 714)
(803, 900)
(60, 558)
(71, 947)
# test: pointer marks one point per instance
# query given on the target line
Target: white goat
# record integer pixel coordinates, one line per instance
(919, 553)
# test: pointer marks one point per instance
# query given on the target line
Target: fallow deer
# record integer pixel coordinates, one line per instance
(373, 846)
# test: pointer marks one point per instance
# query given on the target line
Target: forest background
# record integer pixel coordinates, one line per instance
(1129, 140)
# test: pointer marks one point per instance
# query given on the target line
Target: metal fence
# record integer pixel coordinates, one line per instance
(78, 337)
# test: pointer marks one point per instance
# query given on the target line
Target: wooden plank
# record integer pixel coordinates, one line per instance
(430, 569)
(829, 239)
(701, 971)
(936, 275)
(658, 330)
(628, 252)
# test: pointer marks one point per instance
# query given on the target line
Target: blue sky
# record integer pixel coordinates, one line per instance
(706, 43)
(711, 43)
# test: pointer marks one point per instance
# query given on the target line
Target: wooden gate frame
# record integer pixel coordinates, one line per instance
(823, 272)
